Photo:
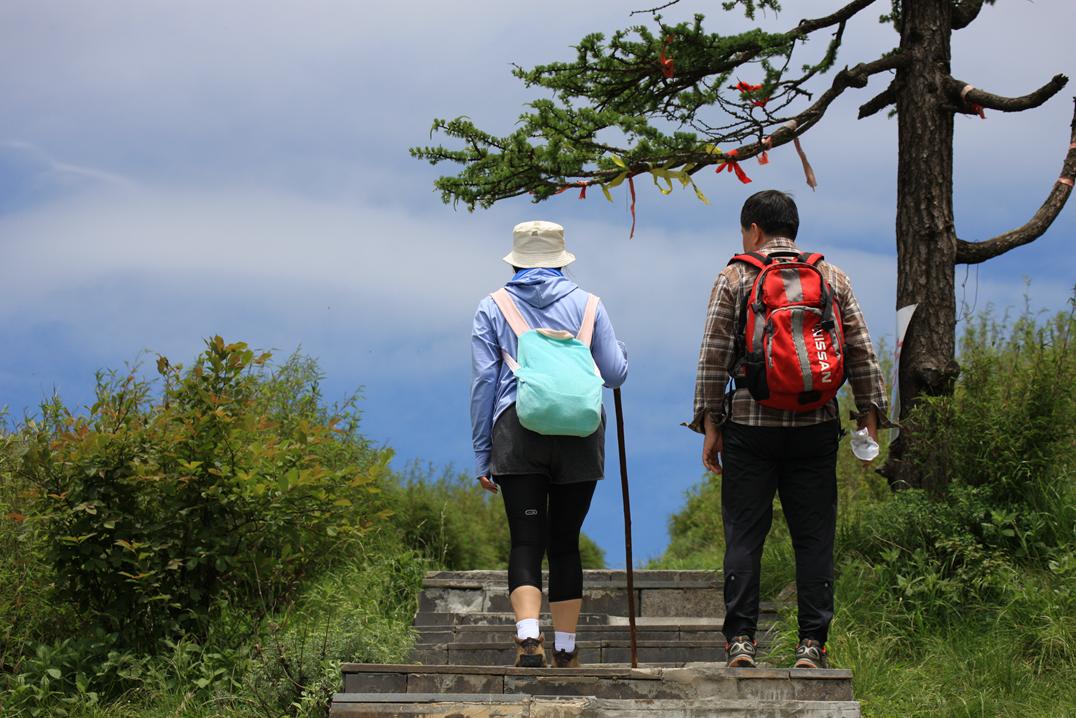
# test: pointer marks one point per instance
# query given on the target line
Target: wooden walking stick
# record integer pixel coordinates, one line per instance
(627, 525)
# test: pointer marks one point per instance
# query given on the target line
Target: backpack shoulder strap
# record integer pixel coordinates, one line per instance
(811, 258)
(590, 313)
(508, 308)
(759, 261)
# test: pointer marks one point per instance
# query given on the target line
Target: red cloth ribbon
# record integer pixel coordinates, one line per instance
(583, 191)
(668, 67)
(631, 188)
(1067, 181)
(746, 89)
(733, 166)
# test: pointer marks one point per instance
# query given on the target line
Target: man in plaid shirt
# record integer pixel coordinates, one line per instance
(762, 451)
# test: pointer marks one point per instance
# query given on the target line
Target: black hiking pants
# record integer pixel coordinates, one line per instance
(800, 465)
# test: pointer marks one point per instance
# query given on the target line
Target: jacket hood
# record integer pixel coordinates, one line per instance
(540, 288)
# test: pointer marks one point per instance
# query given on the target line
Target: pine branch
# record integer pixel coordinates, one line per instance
(555, 147)
(965, 12)
(654, 10)
(624, 75)
(954, 88)
(624, 85)
(976, 252)
(879, 102)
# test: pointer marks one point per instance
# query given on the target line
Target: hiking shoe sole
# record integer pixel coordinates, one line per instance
(530, 662)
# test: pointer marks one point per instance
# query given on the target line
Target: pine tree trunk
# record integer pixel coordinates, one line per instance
(926, 237)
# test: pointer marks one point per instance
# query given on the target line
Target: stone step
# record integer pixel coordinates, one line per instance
(503, 653)
(699, 681)
(438, 705)
(768, 613)
(609, 577)
(651, 598)
(666, 631)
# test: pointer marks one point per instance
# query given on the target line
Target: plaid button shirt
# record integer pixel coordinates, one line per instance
(718, 349)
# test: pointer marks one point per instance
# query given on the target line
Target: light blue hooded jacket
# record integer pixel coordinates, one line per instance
(547, 300)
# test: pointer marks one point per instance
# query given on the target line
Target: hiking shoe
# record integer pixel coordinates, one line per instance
(530, 652)
(811, 654)
(740, 652)
(563, 659)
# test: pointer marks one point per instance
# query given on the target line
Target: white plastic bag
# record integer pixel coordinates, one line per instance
(863, 446)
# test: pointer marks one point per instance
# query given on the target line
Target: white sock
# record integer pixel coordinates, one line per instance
(563, 641)
(527, 628)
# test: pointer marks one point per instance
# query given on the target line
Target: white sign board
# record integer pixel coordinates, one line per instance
(904, 318)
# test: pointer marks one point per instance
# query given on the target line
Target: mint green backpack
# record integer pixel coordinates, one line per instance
(559, 385)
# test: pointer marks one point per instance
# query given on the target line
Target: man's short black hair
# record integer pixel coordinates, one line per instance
(774, 212)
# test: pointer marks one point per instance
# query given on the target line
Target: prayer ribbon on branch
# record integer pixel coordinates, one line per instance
(616, 181)
(668, 67)
(1066, 181)
(747, 91)
(733, 166)
(976, 108)
(662, 173)
(808, 171)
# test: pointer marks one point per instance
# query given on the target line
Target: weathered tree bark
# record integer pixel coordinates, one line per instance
(926, 235)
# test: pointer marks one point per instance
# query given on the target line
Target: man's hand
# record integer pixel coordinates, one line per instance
(712, 446)
(870, 421)
(487, 484)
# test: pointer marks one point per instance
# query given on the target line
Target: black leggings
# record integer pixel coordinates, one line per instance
(544, 515)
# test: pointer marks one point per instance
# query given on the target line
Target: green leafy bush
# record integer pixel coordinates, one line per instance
(361, 612)
(998, 454)
(457, 524)
(25, 575)
(215, 541)
(229, 486)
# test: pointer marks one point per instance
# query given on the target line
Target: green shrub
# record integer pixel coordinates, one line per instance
(1011, 422)
(450, 519)
(998, 456)
(459, 525)
(25, 575)
(361, 612)
(229, 486)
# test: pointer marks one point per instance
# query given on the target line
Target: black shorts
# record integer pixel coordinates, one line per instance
(564, 459)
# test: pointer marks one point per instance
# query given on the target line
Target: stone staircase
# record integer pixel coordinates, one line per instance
(464, 651)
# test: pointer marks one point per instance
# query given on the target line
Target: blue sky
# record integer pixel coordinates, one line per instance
(171, 171)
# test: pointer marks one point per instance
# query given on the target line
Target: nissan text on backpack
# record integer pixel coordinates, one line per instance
(789, 338)
(559, 386)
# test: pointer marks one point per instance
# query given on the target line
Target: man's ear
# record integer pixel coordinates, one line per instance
(754, 236)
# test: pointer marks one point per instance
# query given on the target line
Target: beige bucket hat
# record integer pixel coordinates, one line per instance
(538, 244)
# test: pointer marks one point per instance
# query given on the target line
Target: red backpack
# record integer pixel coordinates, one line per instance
(789, 338)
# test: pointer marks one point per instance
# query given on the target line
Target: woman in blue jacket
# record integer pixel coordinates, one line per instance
(547, 481)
